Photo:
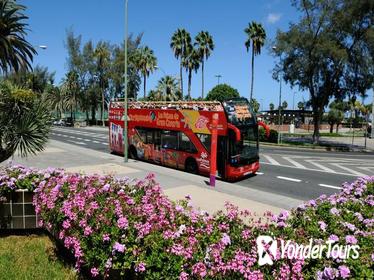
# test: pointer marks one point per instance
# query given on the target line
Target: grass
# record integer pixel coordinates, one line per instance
(31, 257)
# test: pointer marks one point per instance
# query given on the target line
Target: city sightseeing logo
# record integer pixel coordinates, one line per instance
(267, 249)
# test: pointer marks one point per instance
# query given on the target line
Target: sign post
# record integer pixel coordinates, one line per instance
(213, 151)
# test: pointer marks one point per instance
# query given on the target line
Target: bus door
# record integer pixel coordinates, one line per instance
(221, 156)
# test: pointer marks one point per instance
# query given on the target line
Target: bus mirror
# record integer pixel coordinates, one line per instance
(236, 130)
(266, 127)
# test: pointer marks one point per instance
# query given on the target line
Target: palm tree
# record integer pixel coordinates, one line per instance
(15, 52)
(191, 63)
(168, 89)
(24, 122)
(257, 35)
(146, 63)
(69, 89)
(181, 46)
(55, 100)
(102, 55)
(205, 45)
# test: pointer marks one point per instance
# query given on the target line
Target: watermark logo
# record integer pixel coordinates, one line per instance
(267, 249)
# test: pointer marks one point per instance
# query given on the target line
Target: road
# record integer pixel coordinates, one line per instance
(295, 173)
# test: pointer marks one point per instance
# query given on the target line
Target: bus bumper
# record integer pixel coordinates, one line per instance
(234, 173)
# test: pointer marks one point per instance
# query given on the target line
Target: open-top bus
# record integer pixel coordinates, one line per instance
(178, 134)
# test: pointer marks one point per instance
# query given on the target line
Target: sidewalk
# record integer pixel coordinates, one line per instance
(176, 184)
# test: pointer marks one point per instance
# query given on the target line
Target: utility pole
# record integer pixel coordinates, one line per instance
(125, 140)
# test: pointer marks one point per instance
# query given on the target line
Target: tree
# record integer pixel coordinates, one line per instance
(255, 105)
(335, 116)
(205, 45)
(24, 121)
(301, 105)
(70, 88)
(181, 46)
(191, 63)
(55, 100)
(222, 92)
(146, 63)
(168, 88)
(284, 105)
(102, 56)
(317, 53)
(257, 36)
(16, 53)
(271, 106)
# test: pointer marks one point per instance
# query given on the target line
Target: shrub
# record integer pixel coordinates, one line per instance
(127, 228)
(273, 137)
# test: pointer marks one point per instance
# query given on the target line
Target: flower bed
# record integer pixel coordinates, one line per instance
(129, 229)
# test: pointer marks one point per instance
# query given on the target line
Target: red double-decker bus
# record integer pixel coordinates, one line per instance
(178, 134)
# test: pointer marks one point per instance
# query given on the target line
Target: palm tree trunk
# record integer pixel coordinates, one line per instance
(253, 74)
(202, 78)
(145, 87)
(189, 83)
(102, 106)
(181, 78)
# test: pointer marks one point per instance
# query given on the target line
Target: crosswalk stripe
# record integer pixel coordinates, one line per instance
(354, 172)
(295, 163)
(271, 160)
(320, 166)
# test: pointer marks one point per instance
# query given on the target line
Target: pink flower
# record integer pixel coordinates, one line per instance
(118, 247)
(140, 267)
(122, 223)
(94, 272)
(322, 225)
(350, 239)
(199, 269)
(344, 271)
(226, 239)
(183, 276)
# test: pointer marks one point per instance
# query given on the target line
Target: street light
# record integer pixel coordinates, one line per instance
(125, 140)
(218, 77)
(280, 100)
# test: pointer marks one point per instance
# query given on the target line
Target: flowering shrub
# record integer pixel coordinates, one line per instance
(122, 228)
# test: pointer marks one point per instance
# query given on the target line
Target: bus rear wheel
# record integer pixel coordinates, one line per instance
(191, 166)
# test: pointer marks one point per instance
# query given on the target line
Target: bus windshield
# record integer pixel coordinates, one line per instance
(239, 112)
(244, 151)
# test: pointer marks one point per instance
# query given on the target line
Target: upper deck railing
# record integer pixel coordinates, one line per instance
(213, 106)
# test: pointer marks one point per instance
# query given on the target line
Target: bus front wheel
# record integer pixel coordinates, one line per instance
(191, 166)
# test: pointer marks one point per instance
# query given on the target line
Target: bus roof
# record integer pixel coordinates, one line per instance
(214, 106)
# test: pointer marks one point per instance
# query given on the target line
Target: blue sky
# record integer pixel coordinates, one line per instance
(225, 20)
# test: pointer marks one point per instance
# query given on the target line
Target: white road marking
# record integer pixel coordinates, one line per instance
(75, 142)
(329, 186)
(97, 142)
(356, 173)
(271, 160)
(289, 179)
(310, 169)
(259, 173)
(104, 143)
(299, 165)
(73, 137)
(367, 168)
(321, 166)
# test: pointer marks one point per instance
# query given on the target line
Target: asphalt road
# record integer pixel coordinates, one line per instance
(295, 173)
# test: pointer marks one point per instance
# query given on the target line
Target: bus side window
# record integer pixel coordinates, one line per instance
(157, 137)
(142, 133)
(185, 144)
(169, 139)
(205, 140)
(149, 136)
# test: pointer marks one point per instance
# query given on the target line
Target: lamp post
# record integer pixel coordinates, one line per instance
(372, 117)
(125, 140)
(280, 100)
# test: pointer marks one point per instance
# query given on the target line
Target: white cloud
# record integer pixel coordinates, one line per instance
(273, 18)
